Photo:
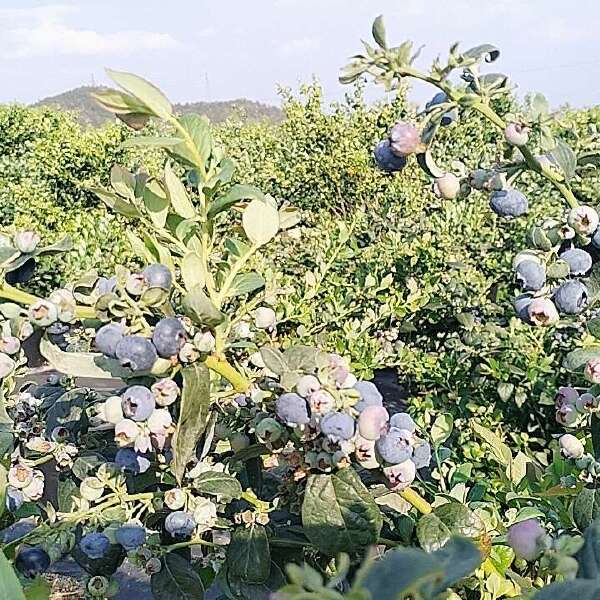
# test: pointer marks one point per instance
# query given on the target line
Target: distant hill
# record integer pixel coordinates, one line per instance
(91, 113)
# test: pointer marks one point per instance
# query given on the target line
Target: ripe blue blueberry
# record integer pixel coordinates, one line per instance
(571, 297)
(32, 562)
(509, 203)
(107, 338)
(580, 261)
(337, 426)
(138, 403)
(158, 276)
(369, 395)
(130, 460)
(94, 545)
(595, 239)
(386, 160)
(448, 117)
(521, 304)
(106, 286)
(130, 536)
(395, 446)
(531, 275)
(14, 498)
(180, 524)
(292, 409)
(136, 352)
(402, 420)
(169, 337)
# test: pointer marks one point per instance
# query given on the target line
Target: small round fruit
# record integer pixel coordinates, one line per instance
(26, 241)
(136, 352)
(583, 219)
(579, 261)
(373, 422)
(108, 337)
(542, 312)
(264, 317)
(386, 160)
(526, 538)
(169, 337)
(158, 276)
(509, 203)
(337, 426)
(31, 562)
(571, 297)
(138, 403)
(402, 420)
(292, 409)
(94, 545)
(531, 275)
(404, 139)
(516, 134)
(447, 186)
(132, 461)
(395, 446)
(369, 395)
(180, 524)
(521, 304)
(401, 475)
(570, 446)
(130, 536)
(307, 384)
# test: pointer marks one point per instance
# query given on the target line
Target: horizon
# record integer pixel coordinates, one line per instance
(52, 47)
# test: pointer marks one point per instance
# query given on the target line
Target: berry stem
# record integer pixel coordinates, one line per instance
(414, 498)
(8, 292)
(194, 542)
(223, 368)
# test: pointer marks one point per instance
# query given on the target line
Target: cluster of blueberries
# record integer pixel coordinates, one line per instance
(542, 304)
(333, 416)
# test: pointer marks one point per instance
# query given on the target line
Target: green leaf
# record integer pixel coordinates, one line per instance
(122, 181)
(198, 306)
(156, 203)
(119, 103)
(274, 359)
(261, 222)
(559, 269)
(234, 195)
(193, 416)
(428, 164)
(144, 91)
(192, 271)
(577, 359)
(3, 484)
(565, 158)
(339, 514)
(441, 429)
(82, 364)
(215, 483)
(116, 203)
(589, 555)
(304, 358)
(582, 590)
(198, 128)
(67, 492)
(177, 580)
(246, 283)
(379, 32)
(448, 520)
(9, 582)
(484, 51)
(248, 555)
(593, 327)
(149, 141)
(403, 572)
(586, 507)
(180, 201)
(500, 451)
(39, 589)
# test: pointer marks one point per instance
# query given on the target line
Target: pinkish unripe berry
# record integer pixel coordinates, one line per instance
(592, 370)
(526, 538)
(542, 312)
(447, 186)
(400, 476)
(516, 134)
(372, 422)
(405, 139)
(570, 446)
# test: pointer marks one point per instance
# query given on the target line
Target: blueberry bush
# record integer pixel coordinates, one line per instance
(237, 443)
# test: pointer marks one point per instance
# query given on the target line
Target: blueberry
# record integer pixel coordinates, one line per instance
(386, 160)
(447, 118)
(531, 275)
(22, 274)
(373, 422)
(521, 304)
(404, 139)
(402, 420)
(580, 261)
(138, 403)
(169, 337)
(369, 395)
(14, 498)
(526, 538)
(421, 455)
(337, 426)
(130, 460)
(94, 545)
(509, 203)
(136, 352)
(108, 337)
(395, 446)
(105, 286)
(158, 276)
(571, 297)
(130, 536)
(32, 562)
(292, 409)
(595, 241)
(180, 524)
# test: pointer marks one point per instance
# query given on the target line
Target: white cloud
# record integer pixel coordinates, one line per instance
(299, 46)
(42, 31)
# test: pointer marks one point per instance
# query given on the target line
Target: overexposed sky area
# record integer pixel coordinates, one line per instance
(206, 50)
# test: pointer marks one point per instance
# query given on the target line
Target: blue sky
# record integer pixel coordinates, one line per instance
(199, 49)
